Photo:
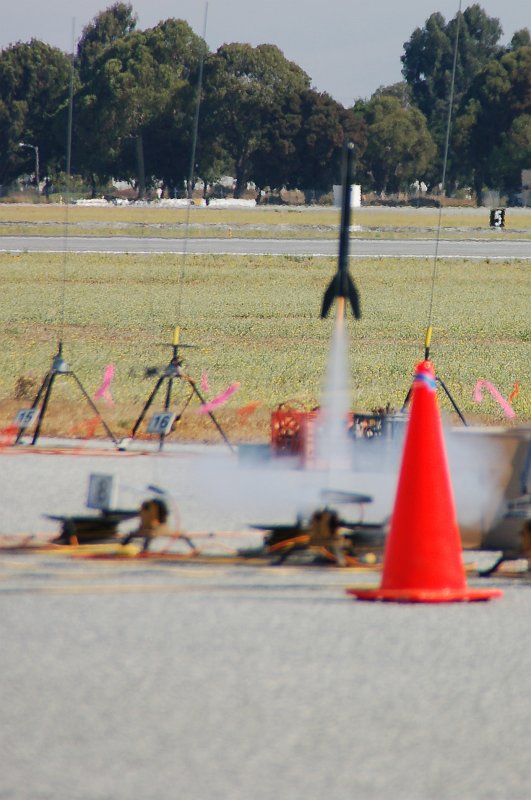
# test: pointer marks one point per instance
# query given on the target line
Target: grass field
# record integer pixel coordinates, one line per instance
(268, 221)
(255, 321)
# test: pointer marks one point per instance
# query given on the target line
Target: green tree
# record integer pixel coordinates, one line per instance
(521, 38)
(116, 22)
(428, 61)
(318, 144)
(34, 88)
(273, 160)
(402, 91)
(245, 88)
(489, 136)
(168, 134)
(400, 149)
(512, 155)
(137, 82)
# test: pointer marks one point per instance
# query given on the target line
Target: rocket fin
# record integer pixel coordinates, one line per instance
(354, 297)
(329, 296)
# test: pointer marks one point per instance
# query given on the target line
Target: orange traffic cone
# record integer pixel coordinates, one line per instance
(422, 561)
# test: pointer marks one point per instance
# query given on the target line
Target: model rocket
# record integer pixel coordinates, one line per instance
(342, 286)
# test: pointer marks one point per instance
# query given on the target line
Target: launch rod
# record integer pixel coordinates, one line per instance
(427, 342)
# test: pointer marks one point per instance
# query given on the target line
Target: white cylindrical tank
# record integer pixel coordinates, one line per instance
(355, 195)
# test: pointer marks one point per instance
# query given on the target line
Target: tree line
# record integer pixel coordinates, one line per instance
(135, 99)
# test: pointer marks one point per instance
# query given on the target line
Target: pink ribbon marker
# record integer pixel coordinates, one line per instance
(204, 382)
(481, 384)
(104, 390)
(206, 408)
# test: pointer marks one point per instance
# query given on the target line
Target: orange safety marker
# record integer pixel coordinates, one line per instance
(8, 435)
(247, 410)
(423, 561)
(86, 429)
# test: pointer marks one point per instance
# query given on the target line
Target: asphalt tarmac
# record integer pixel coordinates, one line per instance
(135, 679)
(502, 249)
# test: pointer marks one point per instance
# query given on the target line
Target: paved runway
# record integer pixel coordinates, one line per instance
(152, 679)
(502, 249)
(132, 679)
(139, 680)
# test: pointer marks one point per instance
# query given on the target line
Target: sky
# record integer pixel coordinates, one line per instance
(348, 48)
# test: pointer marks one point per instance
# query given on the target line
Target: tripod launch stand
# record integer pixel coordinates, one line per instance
(438, 379)
(173, 372)
(448, 395)
(40, 404)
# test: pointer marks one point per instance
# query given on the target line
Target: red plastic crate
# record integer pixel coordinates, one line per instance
(291, 430)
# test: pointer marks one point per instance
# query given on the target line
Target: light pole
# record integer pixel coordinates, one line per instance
(33, 147)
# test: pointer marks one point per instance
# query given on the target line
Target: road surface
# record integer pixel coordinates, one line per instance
(499, 249)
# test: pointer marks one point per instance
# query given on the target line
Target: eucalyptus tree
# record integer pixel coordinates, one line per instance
(429, 53)
(493, 127)
(135, 83)
(318, 143)
(400, 148)
(34, 88)
(245, 90)
(116, 22)
(428, 64)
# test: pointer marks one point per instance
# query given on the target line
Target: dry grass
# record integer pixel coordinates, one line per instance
(44, 219)
(256, 321)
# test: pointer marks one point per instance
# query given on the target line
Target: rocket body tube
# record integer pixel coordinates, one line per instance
(342, 284)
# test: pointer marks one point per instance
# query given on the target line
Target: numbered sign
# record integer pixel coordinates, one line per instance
(497, 218)
(161, 422)
(101, 492)
(25, 417)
